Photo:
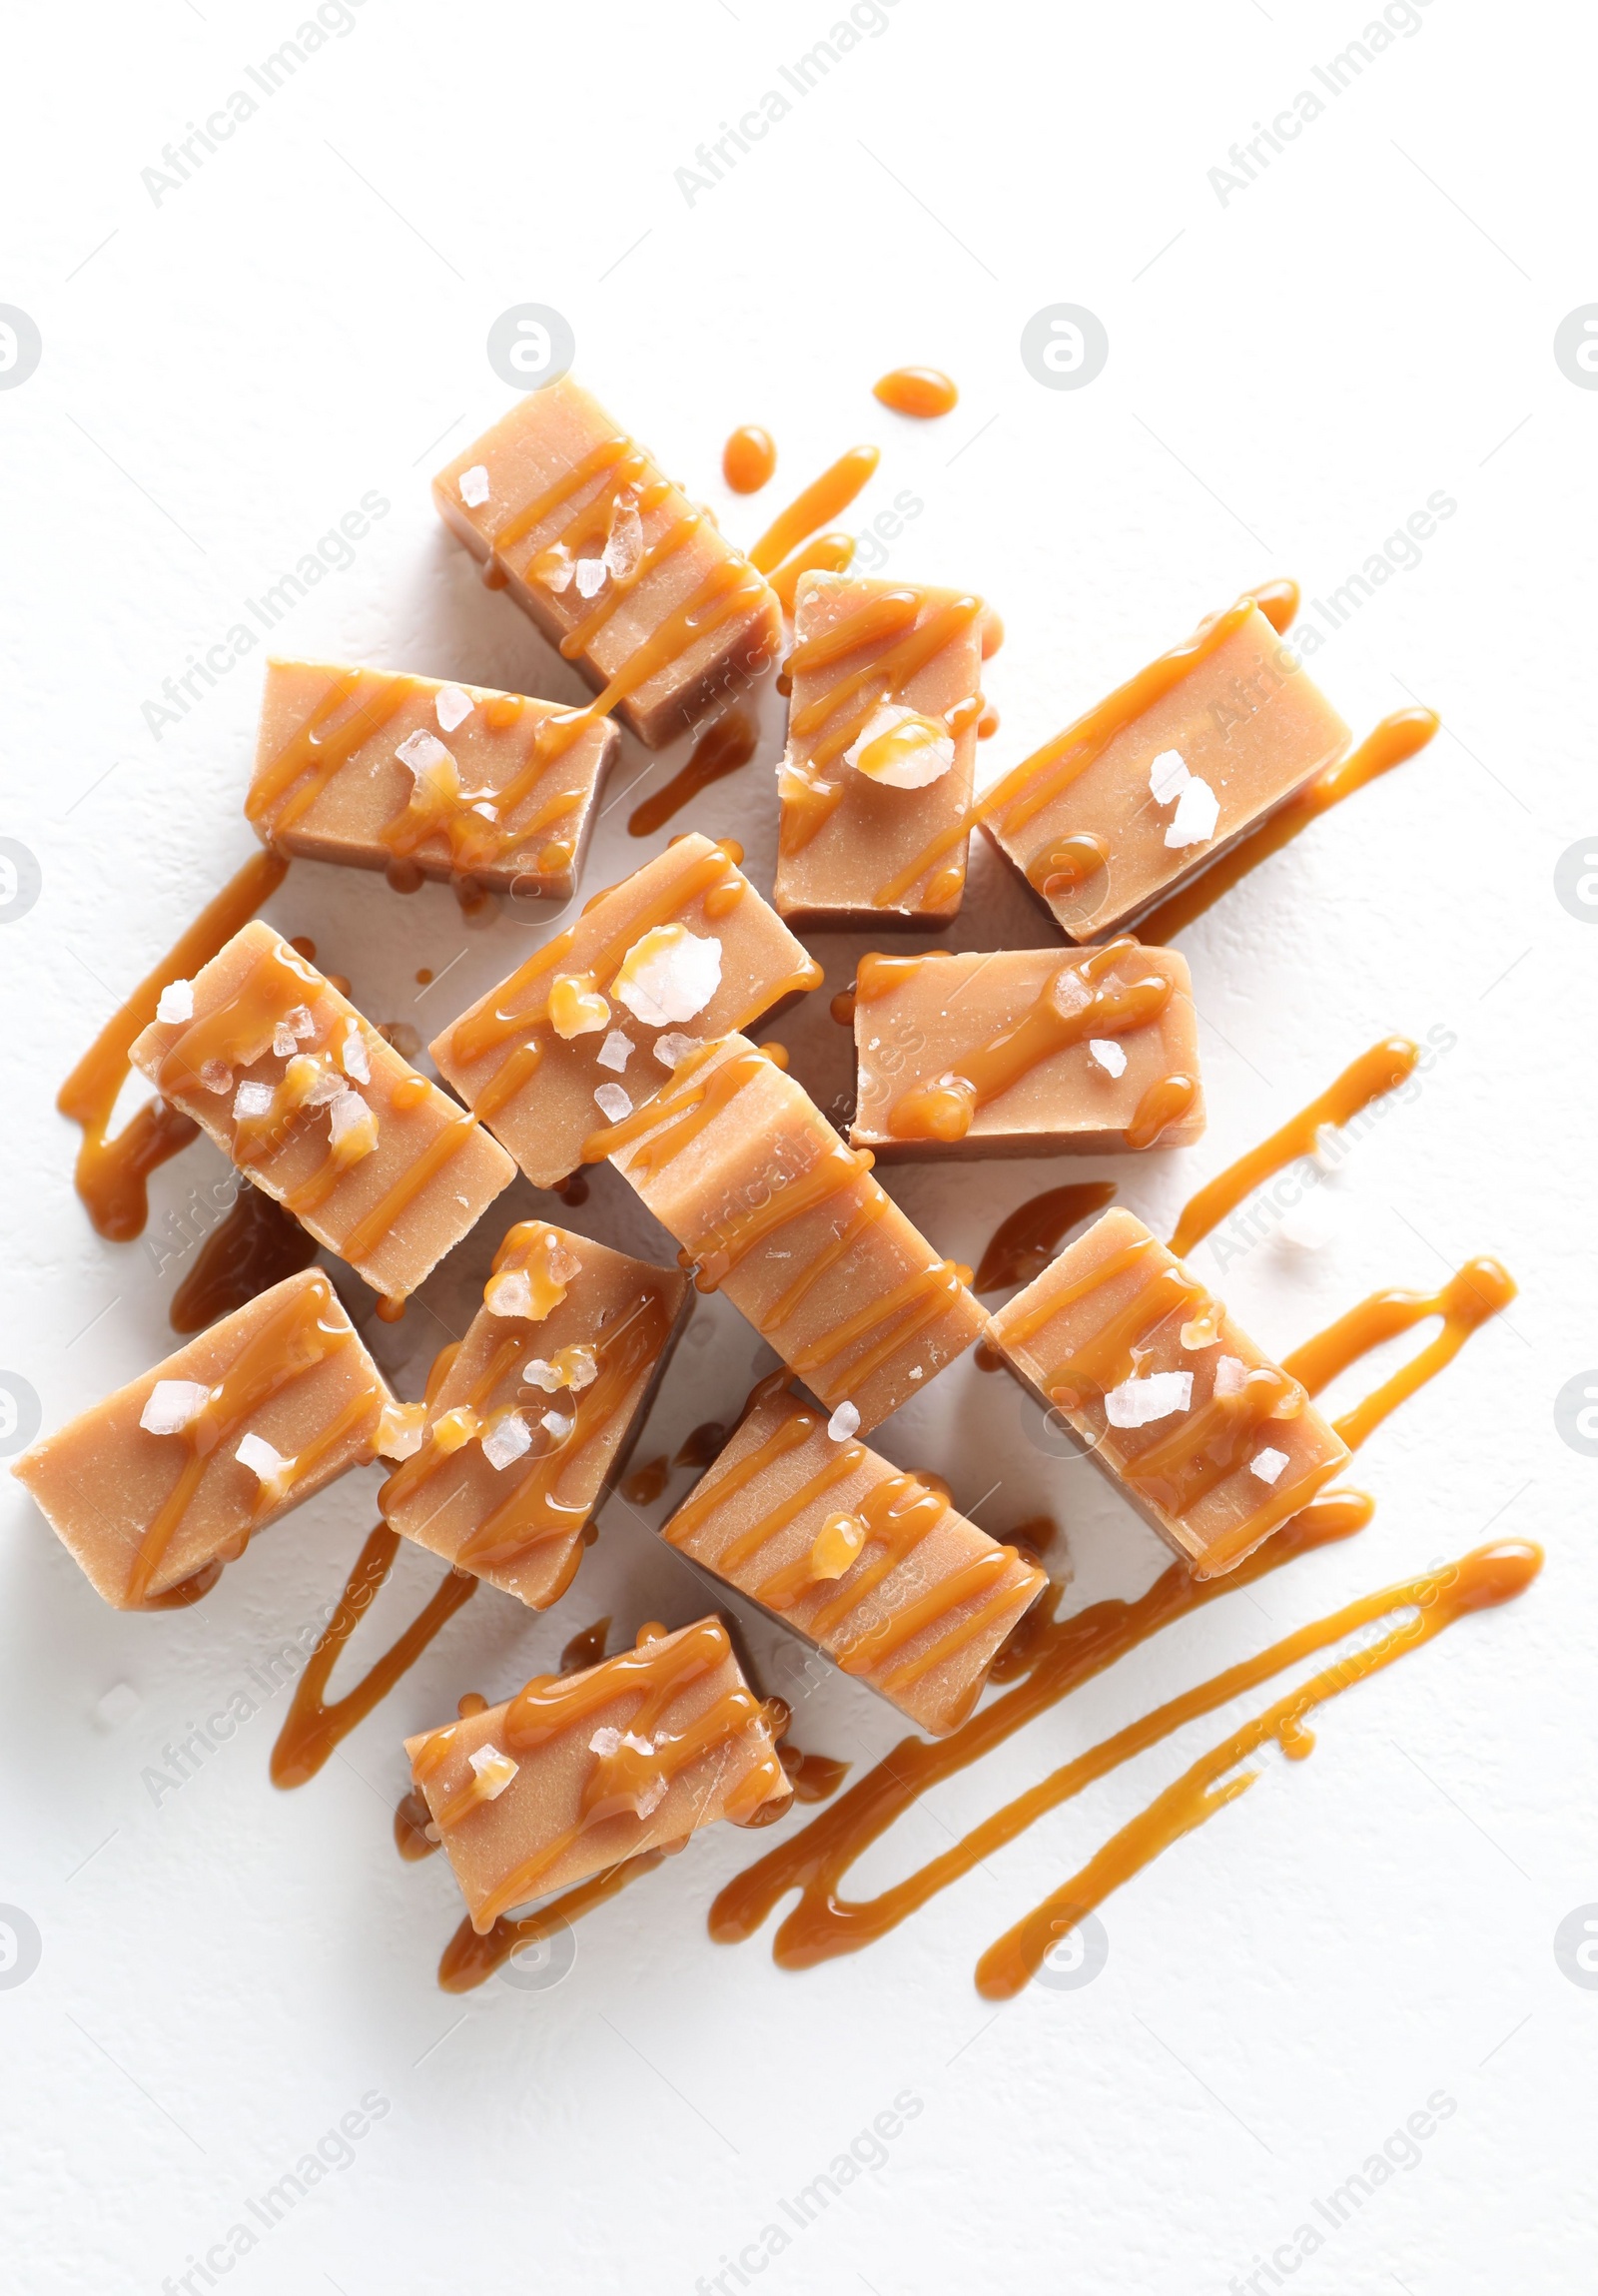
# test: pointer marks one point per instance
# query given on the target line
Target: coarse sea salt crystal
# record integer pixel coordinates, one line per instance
(177, 1002)
(353, 1053)
(171, 1404)
(251, 1101)
(507, 1441)
(624, 544)
(1138, 1401)
(326, 1085)
(843, 1422)
(646, 1802)
(423, 752)
(576, 1008)
(1268, 1465)
(399, 1430)
(669, 974)
(1232, 1375)
(612, 1102)
(674, 1047)
(1109, 1055)
(283, 1040)
(901, 749)
(273, 1469)
(591, 577)
(452, 708)
(216, 1075)
(615, 1051)
(558, 1425)
(493, 1769)
(474, 486)
(1198, 811)
(509, 1294)
(350, 1120)
(1167, 776)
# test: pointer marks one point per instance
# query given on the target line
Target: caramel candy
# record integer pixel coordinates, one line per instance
(615, 564)
(1213, 1443)
(173, 1475)
(1026, 1052)
(581, 1770)
(739, 1164)
(570, 1040)
(423, 778)
(530, 1422)
(867, 1564)
(1163, 776)
(882, 738)
(320, 1111)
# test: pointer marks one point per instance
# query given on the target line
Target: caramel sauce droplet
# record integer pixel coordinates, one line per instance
(748, 458)
(920, 391)
(646, 1484)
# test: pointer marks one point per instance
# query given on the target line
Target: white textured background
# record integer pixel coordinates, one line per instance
(225, 1972)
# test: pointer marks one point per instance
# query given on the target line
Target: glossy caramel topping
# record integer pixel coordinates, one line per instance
(1379, 1070)
(1023, 1244)
(1168, 1101)
(748, 458)
(314, 1725)
(1388, 745)
(920, 391)
(1481, 1289)
(646, 1484)
(469, 1959)
(354, 705)
(827, 555)
(836, 1172)
(111, 1174)
(822, 499)
(586, 1647)
(721, 749)
(255, 1246)
(815, 1777)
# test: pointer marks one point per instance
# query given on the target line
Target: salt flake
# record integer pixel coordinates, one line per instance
(843, 1423)
(1137, 1401)
(669, 974)
(676, 1047)
(251, 1101)
(423, 752)
(1167, 776)
(177, 1002)
(591, 577)
(474, 486)
(452, 708)
(272, 1468)
(507, 1441)
(171, 1404)
(1198, 811)
(493, 1770)
(1232, 1375)
(353, 1053)
(1109, 1056)
(1268, 1465)
(615, 1051)
(612, 1102)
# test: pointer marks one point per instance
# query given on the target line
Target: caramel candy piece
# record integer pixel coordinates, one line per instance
(320, 1111)
(147, 1489)
(423, 778)
(1165, 775)
(533, 1055)
(865, 1563)
(1213, 1443)
(537, 1410)
(580, 1771)
(631, 580)
(736, 1160)
(1026, 1052)
(882, 739)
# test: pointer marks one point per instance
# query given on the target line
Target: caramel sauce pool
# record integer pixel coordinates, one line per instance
(721, 749)
(254, 1247)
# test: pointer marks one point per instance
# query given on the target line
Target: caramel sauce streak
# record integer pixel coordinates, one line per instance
(822, 499)
(111, 1174)
(470, 1960)
(1394, 740)
(312, 1725)
(827, 555)
(1023, 1244)
(1481, 1289)
(1480, 1580)
(721, 749)
(255, 1246)
(1376, 1071)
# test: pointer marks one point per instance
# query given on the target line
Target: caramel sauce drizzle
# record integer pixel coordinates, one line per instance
(111, 1173)
(920, 391)
(721, 749)
(586, 1648)
(313, 1726)
(1391, 743)
(646, 1484)
(292, 1341)
(822, 499)
(1481, 1289)
(702, 1444)
(827, 555)
(1376, 1071)
(627, 1779)
(748, 458)
(470, 1960)
(1434, 1601)
(1023, 1244)
(246, 1254)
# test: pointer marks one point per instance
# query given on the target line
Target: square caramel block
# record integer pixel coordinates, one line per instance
(1163, 776)
(632, 581)
(591, 1023)
(581, 1770)
(173, 1475)
(866, 1563)
(1213, 1444)
(742, 1167)
(1026, 1052)
(536, 1409)
(319, 1111)
(421, 778)
(882, 739)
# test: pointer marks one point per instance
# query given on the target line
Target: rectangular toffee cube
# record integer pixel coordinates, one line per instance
(177, 1471)
(533, 1418)
(685, 941)
(321, 1112)
(1213, 1443)
(423, 778)
(742, 1167)
(581, 1770)
(632, 581)
(1026, 1052)
(868, 1564)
